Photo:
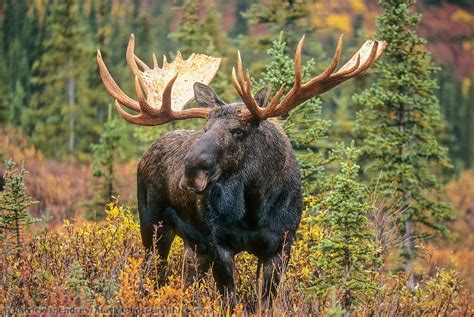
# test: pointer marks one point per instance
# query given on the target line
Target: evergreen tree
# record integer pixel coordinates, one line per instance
(105, 157)
(164, 13)
(399, 121)
(347, 256)
(61, 118)
(191, 35)
(240, 26)
(20, 36)
(14, 205)
(289, 16)
(304, 125)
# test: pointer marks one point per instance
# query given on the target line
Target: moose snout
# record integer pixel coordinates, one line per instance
(197, 183)
(198, 169)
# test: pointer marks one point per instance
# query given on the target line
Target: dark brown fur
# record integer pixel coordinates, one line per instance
(233, 187)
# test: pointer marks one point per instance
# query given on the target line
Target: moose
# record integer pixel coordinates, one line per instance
(235, 185)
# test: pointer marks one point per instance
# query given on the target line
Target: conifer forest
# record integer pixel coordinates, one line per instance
(237, 158)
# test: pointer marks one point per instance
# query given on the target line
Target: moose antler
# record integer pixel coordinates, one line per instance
(299, 93)
(162, 92)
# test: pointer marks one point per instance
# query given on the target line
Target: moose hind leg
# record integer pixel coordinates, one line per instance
(162, 238)
(196, 250)
(196, 264)
(157, 236)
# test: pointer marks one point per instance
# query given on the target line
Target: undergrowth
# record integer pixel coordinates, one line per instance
(100, 268)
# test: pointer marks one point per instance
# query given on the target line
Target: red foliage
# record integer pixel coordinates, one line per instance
(445, 36)
(60, 187)
(460, 251)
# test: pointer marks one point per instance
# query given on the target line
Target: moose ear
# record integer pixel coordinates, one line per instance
(205, 96)
(262, 96)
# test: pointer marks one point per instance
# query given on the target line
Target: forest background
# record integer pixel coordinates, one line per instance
(56, 117)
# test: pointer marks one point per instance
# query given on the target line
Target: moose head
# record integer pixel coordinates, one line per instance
(164, 92)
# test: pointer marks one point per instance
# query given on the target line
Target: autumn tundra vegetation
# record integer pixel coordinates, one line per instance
(356, 202)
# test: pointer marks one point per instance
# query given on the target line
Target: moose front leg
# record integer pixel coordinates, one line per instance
(273, 268)
(223, 272)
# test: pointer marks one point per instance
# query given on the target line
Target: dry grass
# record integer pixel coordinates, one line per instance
(99, 267)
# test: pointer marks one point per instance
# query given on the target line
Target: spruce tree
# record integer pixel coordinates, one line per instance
(399, 121)
(289, 16)
(18, 50)
(14, 205)
(304, 125)
(191, 36)
(105, 158)
(61, 119)
(347, 256)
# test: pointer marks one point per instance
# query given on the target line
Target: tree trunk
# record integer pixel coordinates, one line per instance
(18, 237)
(468, 139)
(347, 296)
(408, 234)
(110, 184)
(409, 253)
(71, 92)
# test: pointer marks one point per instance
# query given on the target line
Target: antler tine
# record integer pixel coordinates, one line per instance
(298, 62)
(350, 70)
(166, 101)
(236, 82)
(141, 63)
(112, 87)
(244, 88)
(369, 61)
(332, 66)
(275, 100)
(299, 93)
(127, 116)
(240, 75)
(132, 62)
(161, 99)
(144, 105)
(251, 100)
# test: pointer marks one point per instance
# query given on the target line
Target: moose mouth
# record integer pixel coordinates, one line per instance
(201, 182)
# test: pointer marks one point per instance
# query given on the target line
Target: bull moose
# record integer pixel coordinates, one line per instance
(235, 185)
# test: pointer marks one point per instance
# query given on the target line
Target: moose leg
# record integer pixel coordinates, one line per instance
(196, 264)
(223, 272)
(273, 268)
(157, 239)
(196, 250)
(157, 236)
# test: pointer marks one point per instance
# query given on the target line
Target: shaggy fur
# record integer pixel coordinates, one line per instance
(233, 187)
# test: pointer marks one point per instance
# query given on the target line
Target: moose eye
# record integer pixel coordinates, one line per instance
(237, 132)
